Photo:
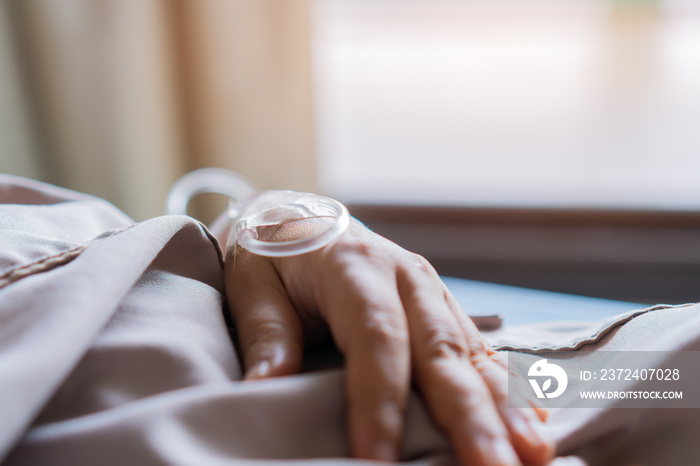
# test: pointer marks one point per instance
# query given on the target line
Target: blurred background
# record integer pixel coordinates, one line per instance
(545, 143)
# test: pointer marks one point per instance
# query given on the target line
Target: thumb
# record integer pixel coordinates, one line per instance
(268, 327)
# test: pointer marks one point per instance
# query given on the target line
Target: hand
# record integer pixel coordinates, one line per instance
(396, 323)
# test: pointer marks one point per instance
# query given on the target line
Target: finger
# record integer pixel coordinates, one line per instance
(478, 343)
(524, 425)
(532, 445)
(542, 414)
(269, 331)
(367, 322)
(457, 396)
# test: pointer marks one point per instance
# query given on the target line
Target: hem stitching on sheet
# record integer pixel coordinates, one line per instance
(578, 343)
(41, 265)
(47, 263)
(50, 262)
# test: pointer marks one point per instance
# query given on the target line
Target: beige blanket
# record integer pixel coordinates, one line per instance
(114, 349)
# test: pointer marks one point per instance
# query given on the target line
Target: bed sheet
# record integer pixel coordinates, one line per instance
(114, 350)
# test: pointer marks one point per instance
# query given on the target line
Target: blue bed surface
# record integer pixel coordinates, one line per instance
(519, 306)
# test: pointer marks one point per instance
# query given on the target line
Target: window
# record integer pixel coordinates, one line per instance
(546, 103)
(543, 143)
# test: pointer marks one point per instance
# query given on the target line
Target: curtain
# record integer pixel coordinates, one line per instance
(118, 98)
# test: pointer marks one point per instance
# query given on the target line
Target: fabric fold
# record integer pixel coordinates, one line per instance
(114, 349)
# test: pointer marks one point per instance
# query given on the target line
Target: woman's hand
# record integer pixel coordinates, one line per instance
(395, 322)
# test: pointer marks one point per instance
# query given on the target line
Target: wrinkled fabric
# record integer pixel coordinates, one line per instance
(115, 349)
(615, 435)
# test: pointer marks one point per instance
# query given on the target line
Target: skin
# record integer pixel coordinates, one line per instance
(398, 327)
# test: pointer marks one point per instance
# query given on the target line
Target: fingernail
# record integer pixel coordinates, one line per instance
(259, 370)
(503, 454)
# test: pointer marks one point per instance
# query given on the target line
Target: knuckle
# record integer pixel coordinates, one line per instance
(421, 263)
(444, 346)
(350, 249)
(352, 245)
(262, 335)
(383, 329)
(480, 361)
(418, 267)
(478, 345)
